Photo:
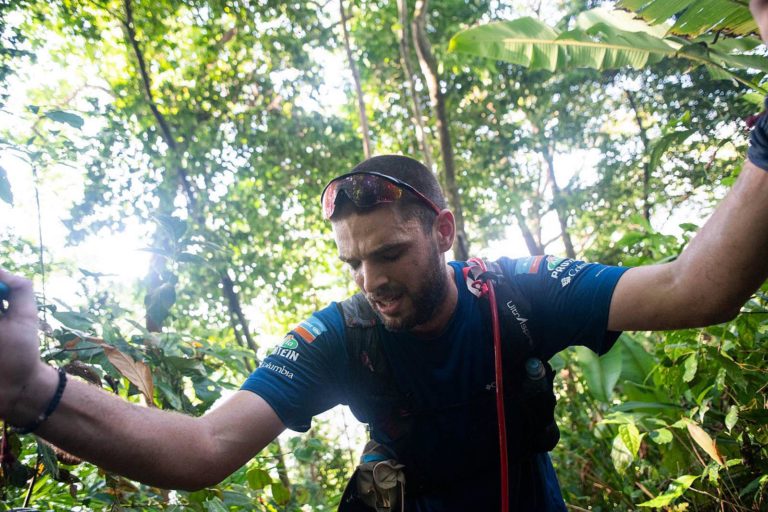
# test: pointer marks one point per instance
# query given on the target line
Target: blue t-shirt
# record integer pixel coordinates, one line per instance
(308, 373)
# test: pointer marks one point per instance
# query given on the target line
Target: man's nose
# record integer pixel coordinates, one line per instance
(370, 277)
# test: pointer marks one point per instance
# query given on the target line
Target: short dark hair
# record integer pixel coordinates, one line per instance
(411, 172)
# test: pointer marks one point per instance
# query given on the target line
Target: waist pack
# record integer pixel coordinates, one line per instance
(377, 484)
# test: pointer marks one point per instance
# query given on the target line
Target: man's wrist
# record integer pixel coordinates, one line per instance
(32, 397)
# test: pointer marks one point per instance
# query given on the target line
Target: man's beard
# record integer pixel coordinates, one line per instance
(426, 299)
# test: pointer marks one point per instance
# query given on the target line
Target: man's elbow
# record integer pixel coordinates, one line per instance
(716, 314)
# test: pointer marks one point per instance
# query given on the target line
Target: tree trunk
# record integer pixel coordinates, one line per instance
(365, 132)
(429, 69)
(415, 103)
(558, 201)
(534, 247)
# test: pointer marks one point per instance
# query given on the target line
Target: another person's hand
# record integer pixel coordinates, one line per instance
(759, 10)
(19, 343)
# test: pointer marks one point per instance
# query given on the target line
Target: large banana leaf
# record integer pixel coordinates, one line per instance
(535, 45)
(601, 40)
(695, 17)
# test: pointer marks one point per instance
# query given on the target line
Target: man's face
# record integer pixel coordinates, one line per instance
(396, 264)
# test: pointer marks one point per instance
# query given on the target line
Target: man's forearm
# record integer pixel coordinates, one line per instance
(728, 259)
(160, 448)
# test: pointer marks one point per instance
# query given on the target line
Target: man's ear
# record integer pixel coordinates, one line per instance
(444, 230)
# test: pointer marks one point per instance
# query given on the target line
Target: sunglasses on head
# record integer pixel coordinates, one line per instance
(367, 189)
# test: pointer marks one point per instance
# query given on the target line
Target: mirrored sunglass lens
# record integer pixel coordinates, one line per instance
(363, 190)
(329, 199)
(366, 191)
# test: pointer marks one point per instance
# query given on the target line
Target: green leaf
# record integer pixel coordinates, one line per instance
(676, 489)
(185, 365)
(605, 44)
(620, 455)
(174, 226)
(641, 406)
(694, 17)
(74, 320)
(732, 417)
(636, 363)
(661, 436)
(258, 478)
(619, 19)
(660, 146)
(170, 394)
(69, 118)
(691, 365)
(187, 257)
(48, 457)
(280, 493)
(631, 438)
(530, 43)
(601, 373)
(215, 505)
(5, 187)
(160, 302)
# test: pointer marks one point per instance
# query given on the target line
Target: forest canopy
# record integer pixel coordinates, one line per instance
(161, 165)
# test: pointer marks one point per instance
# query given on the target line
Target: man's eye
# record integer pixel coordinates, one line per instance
(394, 256)
(353, 265)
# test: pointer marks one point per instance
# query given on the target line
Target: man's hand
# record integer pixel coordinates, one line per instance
(20, 366)
(759, 10)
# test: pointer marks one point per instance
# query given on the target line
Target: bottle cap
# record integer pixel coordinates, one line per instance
(534, 367)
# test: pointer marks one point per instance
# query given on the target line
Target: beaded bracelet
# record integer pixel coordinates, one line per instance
(54, 403)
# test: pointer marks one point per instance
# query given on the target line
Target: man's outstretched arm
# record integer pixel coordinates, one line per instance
(160, 448)
(723, 265)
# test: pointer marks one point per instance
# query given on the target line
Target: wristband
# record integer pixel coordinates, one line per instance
(52, 405)
(758, 140)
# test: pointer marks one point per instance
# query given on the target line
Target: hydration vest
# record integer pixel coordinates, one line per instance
(396, 419)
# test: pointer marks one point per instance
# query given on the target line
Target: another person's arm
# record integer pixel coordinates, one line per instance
(161, 448)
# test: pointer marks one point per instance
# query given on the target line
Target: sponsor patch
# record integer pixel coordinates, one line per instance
(290, 342)
(553, 262)
(560, 265)
(528, 265)
(278, 369)
(291, 355)
(310, 329)
(568, 277)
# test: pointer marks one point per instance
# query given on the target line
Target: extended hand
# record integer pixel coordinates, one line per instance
(19, 344)
(759, 9)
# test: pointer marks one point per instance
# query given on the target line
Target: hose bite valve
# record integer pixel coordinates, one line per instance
(5, 292)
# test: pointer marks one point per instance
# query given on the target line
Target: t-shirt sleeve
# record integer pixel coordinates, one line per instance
(301, 377)
(569, 301)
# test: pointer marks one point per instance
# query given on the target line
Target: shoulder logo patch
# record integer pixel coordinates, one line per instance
(553, 262)
(289, 342)
(310, 329)
(529, 265)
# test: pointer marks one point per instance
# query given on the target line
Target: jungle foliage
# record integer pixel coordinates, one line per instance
(585, 125)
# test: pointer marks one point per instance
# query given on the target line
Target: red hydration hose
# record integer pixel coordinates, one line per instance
(487, 288)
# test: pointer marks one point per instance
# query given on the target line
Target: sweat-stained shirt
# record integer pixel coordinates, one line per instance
(308, 373)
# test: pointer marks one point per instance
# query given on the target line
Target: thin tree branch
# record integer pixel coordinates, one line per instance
(405, 62)
(365, 132)
(429, 69)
